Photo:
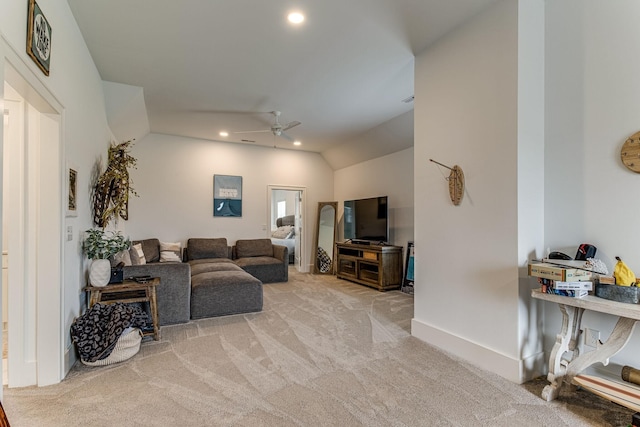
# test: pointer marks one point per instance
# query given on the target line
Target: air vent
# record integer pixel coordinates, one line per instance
(408, 100)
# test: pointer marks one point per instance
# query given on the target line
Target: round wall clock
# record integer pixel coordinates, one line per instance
(456, 185)
(630, 152)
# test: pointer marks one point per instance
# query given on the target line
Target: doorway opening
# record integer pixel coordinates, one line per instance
(286, 219)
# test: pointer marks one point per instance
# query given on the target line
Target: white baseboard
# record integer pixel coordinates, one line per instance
(515, 370)
(69, 359)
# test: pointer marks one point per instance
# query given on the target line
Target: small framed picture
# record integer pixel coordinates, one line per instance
(72, 194)
(38, 37)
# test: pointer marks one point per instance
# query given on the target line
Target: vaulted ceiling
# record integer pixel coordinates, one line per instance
(223, 65)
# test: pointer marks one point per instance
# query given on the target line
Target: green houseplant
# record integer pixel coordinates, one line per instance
(99, 246)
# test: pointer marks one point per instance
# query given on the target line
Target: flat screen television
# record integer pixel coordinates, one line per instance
(366, 220)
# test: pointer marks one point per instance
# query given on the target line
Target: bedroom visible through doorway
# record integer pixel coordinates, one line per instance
(286, 221)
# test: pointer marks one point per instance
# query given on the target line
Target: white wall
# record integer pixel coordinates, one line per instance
(531, 80)
(390, 175)
(174, 179)
(466, 113)
(592, 105)
(75, 84)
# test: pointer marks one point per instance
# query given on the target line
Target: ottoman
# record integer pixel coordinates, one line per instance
(221, 289)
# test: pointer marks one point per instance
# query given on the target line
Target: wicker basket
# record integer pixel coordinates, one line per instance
(126, 347)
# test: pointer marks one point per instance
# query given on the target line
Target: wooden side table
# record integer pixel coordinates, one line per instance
(127, 292)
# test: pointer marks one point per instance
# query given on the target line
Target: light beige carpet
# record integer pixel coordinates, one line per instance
(324, 352)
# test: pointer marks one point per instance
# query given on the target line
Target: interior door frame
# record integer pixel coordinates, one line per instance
(301, 222)
(45, 261)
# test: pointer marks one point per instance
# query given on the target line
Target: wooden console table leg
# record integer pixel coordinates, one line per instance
(617, 340)
(566, 340)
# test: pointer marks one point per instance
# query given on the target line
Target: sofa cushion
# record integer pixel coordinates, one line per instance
(253, 248)
(207, 248)
(151, 249)
(204, 267)
(256, 261)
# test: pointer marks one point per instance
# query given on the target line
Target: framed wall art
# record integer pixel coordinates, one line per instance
(227, 195)
(38, 37)
(72, 193)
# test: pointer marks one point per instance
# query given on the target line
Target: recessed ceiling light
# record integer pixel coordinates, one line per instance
(297, 143)
(295, 17)
(223, 133)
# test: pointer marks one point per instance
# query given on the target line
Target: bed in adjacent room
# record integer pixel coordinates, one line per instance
(285, 235)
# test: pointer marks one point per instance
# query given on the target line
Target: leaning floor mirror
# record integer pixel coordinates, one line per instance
(326, 237)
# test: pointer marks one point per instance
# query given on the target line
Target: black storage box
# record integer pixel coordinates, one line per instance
(117, 275)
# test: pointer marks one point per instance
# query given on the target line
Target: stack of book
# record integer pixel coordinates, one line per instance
(570, 282)
(576, 289)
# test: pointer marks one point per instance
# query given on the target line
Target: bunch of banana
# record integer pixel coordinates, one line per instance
(623, 274)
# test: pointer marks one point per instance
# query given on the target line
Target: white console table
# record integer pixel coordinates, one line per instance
(563, 370)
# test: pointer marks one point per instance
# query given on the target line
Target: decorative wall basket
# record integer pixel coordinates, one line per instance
(100, 272)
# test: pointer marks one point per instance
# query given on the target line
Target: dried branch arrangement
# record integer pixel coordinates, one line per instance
(113, 187)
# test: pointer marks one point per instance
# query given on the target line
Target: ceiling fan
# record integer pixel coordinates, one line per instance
(277, 129)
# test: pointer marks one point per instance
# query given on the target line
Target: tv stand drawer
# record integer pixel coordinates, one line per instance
(370, 255)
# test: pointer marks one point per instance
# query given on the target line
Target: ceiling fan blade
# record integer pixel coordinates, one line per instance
(291, 125)
(253, 131)
(287, 137)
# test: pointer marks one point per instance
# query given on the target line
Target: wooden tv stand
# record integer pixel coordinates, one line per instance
(377, 266)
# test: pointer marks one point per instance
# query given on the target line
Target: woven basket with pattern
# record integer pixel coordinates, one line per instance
(126, 347)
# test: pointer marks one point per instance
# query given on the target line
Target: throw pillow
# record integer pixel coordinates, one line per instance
(122, 256)
(170, 252)
(151, 249)
(282, 232)
(169, 256)
(171, 247)
(137, 255)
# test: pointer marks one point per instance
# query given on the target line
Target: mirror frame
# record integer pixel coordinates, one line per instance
(321, 205)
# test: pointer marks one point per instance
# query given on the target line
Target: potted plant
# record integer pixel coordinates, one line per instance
(99, 246)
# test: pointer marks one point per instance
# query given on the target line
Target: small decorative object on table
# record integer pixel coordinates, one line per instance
(117, 273)
(622, 287)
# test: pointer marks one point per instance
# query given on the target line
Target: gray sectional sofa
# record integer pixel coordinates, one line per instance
(214, 279)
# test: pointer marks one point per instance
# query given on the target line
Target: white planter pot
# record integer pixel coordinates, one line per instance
(100, 272)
